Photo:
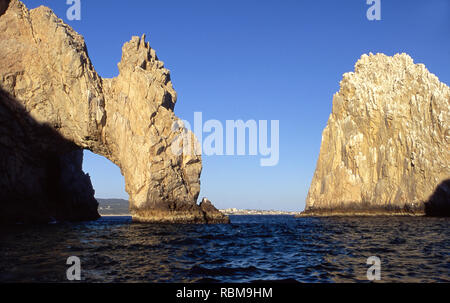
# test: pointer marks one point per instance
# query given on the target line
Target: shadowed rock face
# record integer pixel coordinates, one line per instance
(385, 149)
(45, 69)
(40, 172)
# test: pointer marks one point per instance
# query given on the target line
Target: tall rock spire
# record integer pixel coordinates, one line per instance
(386, 147)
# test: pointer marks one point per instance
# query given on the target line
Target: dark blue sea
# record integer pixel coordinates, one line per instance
(251, 248)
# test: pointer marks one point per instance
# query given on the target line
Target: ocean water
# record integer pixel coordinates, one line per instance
(251, 248)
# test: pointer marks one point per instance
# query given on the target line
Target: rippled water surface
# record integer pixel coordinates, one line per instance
(113, 249)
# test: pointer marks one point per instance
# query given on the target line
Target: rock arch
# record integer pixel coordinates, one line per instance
(46, 70)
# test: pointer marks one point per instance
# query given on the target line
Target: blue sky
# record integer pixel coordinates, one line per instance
(261, 60)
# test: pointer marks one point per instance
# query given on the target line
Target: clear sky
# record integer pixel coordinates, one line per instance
(262, 60)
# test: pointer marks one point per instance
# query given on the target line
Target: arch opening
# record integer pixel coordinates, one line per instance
(108, 183)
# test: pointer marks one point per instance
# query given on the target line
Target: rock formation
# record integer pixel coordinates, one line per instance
(385, 149)
(54, 105)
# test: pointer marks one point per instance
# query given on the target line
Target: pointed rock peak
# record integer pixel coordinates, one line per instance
(138, 53)
(142, 43)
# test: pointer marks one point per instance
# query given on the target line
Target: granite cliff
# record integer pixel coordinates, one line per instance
(54, 105)
(385, 149)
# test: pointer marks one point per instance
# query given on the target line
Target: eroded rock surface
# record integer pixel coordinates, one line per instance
(47, 76)
(385, 149)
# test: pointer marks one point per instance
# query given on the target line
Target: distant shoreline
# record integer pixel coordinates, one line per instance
(254, 212)
(109, 206)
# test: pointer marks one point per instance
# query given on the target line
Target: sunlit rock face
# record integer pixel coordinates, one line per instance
(385, 149)
(49, 82)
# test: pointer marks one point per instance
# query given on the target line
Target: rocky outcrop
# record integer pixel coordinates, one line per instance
(385, 149)
(41, 179)
(211, 213)
(49, 81)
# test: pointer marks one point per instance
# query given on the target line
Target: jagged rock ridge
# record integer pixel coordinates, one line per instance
(49, 82)
(385, 149)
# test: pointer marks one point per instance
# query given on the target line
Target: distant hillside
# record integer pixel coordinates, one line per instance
(113, 207)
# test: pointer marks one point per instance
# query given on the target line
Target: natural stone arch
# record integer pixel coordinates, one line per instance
(128, 119)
